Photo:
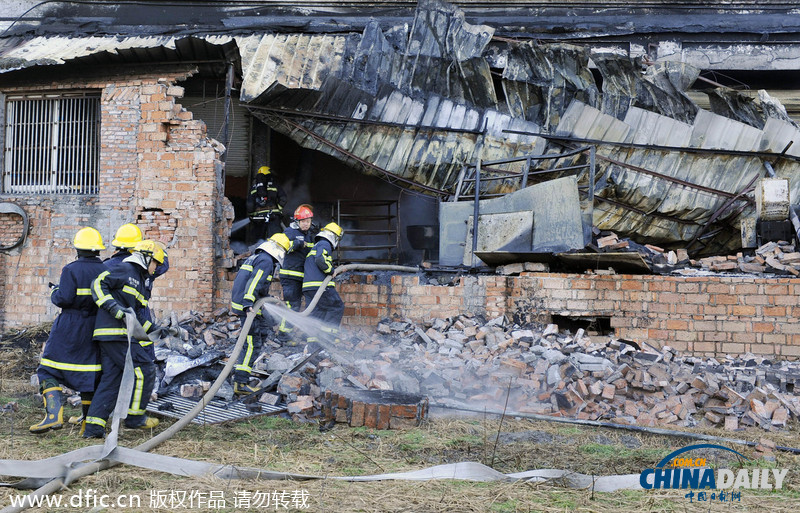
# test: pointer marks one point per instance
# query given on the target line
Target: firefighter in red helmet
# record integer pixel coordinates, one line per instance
(301, 232)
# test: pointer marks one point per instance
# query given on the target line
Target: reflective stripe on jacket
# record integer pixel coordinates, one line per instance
(252, 281)
(318, 265)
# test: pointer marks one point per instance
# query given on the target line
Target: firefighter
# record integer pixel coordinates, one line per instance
(70, 356)
(117, 292)
(127, 236)
(318, 265)
(265, 204)
(251, 284)
(301, 234)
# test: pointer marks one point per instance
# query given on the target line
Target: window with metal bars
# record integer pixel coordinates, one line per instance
(52, 143)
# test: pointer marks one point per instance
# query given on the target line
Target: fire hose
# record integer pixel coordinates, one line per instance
(74, 474)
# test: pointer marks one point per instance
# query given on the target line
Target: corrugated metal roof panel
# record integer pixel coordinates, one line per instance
(651, 197)
(290, 60)
(20, 53)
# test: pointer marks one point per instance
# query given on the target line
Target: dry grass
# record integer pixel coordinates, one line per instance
(282, 445)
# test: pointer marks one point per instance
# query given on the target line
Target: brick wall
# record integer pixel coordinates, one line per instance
(712, 315)
(158, 169)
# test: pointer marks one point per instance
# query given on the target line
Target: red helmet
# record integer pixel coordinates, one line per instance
(303, 212)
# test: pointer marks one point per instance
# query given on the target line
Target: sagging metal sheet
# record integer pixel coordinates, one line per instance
(548, 217)
(668, 196)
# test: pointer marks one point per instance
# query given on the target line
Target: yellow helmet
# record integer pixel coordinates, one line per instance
(88, 238)
(331, 232)
(335, 228)
(151, 248)
(264, 170)
(127, 236)
(282, 240)
(277, 246)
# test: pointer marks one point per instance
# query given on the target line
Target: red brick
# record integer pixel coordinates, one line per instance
(357, 414)
(371, 416)
(384, 413)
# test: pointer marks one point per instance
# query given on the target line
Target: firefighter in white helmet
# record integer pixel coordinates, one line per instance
(251, 284)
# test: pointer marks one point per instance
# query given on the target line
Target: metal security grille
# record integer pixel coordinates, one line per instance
(52, 144)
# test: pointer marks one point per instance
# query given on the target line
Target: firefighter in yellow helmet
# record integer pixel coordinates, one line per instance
(265, 204)
(119, 292)
(252, 283)
(70, 357)
(318, 265)
(127, 236)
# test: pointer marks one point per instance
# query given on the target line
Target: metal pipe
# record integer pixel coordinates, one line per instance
(476, 212)
(226, 116)
(684, 149)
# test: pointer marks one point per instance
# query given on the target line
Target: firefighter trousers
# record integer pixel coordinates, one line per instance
(112, 358)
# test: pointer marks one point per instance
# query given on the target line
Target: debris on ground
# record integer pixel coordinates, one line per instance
(475, 363)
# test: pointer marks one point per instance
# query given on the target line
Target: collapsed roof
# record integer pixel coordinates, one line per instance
(419, 104)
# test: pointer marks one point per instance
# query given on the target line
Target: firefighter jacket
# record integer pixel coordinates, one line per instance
(318, 265)
(69, 350)
(266, 196)
(252, 281)
(117, 289)
(295, 258)
(117, 258)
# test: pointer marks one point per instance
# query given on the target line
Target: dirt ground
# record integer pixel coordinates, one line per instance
(279, 444)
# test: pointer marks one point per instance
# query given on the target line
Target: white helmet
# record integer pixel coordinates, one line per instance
(276, 246)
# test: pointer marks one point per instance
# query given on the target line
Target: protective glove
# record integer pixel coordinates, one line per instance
(120, 313)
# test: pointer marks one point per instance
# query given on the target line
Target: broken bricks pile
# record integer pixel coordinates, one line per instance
(469, 363)
(773, 257)
(187, 365)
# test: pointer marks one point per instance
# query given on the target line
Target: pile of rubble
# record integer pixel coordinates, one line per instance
(469, 362)
(772, 257)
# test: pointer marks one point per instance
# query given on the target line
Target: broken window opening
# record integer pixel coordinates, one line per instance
(593, 326)
(52, 143)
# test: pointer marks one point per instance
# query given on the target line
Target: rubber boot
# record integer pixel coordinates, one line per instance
(54, 411)
(149, 423)
(243, 388)
(85, 403)
(93, 431)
